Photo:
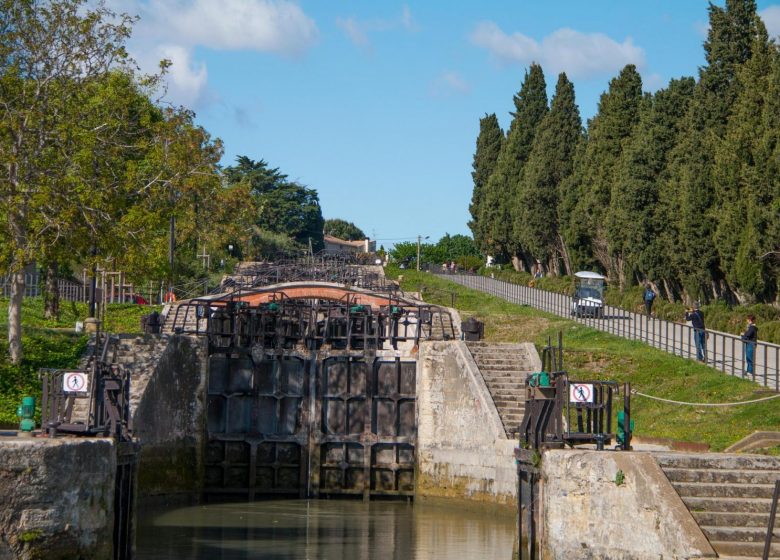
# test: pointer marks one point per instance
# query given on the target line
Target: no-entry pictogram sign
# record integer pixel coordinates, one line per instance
(75, 382)
(581, 393)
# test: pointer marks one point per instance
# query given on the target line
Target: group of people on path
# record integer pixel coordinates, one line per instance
(695, 316)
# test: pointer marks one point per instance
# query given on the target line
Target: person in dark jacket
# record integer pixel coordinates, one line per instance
(649, 297)
(696, 317)
(750, 337)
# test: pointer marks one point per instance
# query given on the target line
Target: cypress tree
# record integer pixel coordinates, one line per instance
(691, 179)
(635, 222)
(501, 194)
(618, 114)
(489, 143)
(743, 189)
(550, 162)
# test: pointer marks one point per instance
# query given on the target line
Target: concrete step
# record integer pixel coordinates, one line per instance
(722, 475)
(731, 519)
(733, 490)
(518, 376)
(744, 550)
(488, 344)
(513, 386)
(718, 461)
(716, 504)
(512, 411)
(507, 403)
(500, 360)
(738, 534)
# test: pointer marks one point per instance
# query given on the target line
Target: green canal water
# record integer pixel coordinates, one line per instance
(324, 529)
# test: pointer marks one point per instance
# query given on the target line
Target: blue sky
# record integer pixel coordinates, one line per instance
(377, 104)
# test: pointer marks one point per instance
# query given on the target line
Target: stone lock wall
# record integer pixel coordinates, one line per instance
(167, 406)
(56, 498)
(614, 506)
(462, 448)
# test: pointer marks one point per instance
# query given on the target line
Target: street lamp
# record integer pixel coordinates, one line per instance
(419, 238)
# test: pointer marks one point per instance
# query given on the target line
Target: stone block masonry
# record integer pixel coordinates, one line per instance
(462, 447)
(168, 377)
(56, 498)
(614, 506)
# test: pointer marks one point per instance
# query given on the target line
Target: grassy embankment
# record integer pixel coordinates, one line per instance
(591, 354)
(51, 343)
(719, 316)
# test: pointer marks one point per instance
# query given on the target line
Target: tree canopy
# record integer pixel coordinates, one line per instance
(680, 187)
(343, 229)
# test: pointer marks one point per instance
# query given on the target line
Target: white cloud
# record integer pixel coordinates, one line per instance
(174, 29)
(187, 79)
(276, 26)
(354, 31)
(771, 17)
(449, 83)
(358, 30)
(580, 55)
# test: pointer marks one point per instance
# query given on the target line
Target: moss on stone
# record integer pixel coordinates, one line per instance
(30, 536)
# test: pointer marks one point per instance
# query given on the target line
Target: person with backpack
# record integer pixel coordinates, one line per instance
(696, 317)
(649, 297)
(750, 337)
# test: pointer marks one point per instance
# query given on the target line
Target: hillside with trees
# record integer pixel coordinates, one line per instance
(679, 187)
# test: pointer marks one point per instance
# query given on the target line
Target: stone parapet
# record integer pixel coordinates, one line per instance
(614, 506)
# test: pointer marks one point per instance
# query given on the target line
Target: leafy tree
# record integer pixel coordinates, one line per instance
(489, 143)
(550, 163)
(452, 247)
(281, 206)
(49, 51)
(343, 230)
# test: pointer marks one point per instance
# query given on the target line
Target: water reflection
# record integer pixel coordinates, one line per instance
(322, 529)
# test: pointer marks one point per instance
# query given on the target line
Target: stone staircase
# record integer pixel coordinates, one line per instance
(442, 327)
(730, 496)
(504, 367)
(186, 318)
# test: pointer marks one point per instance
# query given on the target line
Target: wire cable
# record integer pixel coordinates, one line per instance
(635, 392)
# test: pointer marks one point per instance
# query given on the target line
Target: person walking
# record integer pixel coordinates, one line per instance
(696, 317)
(649, 297)
(750, 337)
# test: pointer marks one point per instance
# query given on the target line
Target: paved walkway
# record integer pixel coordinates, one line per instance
(725, 351)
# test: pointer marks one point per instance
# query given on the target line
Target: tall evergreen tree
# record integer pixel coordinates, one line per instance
(635, 220)
(743, 190)
(489, 143)
(503, 185)
(690, 184)
(608, 131)
(550, 162)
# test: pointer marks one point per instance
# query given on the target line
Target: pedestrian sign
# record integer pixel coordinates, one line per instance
(581, 393)
(75, 382)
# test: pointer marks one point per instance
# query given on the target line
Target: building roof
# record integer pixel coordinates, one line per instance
(336, 241)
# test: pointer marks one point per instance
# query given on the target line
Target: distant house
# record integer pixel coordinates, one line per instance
(336, 245)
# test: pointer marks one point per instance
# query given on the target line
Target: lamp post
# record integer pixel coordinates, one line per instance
(419, 238)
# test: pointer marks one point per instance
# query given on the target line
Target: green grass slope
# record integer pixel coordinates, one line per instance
(591, 354)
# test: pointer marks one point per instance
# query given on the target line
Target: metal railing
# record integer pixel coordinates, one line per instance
(723, 351)
(69, 290)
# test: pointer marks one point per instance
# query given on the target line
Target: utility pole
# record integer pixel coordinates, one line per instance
(419, 238)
